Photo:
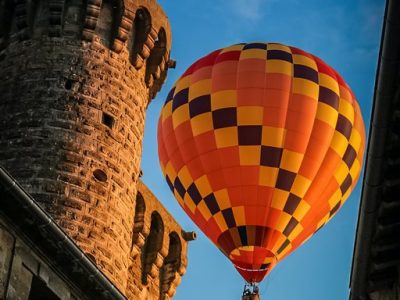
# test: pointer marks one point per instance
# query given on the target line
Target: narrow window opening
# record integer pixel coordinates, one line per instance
(68, 84)
(152, 245)
(171, 264)
(156, 55)
(100, 175)
(138, 221)
(142, 27)
(108, 120)
(40, 291)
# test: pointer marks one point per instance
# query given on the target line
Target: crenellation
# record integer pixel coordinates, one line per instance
(114, 25)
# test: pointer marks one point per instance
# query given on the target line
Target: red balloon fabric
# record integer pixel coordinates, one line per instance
(261, 144)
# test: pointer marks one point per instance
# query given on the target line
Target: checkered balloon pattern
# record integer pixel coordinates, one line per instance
(261, 144)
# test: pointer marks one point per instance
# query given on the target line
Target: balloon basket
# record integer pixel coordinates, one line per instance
(250, 292)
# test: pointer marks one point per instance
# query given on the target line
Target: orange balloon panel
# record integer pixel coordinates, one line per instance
(261, 144)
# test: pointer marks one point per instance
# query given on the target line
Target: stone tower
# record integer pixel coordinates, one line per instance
(76, 78)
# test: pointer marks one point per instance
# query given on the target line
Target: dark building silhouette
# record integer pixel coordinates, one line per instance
(376, 262)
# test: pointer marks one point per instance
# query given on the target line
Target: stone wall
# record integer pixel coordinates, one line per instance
(23, 274)
(76, 79)
(158, 250)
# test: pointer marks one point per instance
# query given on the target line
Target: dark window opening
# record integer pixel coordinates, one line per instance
(171, 264)
(152, 245)
(108, 120)
(138, 221)
(40, 291)
(142, 27)
(68, 84)
(156, 55)
(100, 175)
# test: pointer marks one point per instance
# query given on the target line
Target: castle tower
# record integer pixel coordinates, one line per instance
(76, 79)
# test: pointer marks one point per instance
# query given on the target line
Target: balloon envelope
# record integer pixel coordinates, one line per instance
(261, 144)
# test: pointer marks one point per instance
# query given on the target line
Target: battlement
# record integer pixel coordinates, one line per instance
(138, 29)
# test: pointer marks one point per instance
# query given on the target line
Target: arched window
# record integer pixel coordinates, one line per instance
(156, 54)
(141, 29)
(171, 264)
(138, 224)
(152, 245)
(109, 20)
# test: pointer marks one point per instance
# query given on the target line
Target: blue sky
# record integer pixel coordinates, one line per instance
(345, 34)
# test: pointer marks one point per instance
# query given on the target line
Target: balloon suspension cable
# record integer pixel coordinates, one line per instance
(250, 291)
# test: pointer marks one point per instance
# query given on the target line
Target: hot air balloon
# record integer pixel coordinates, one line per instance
(261, 144)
